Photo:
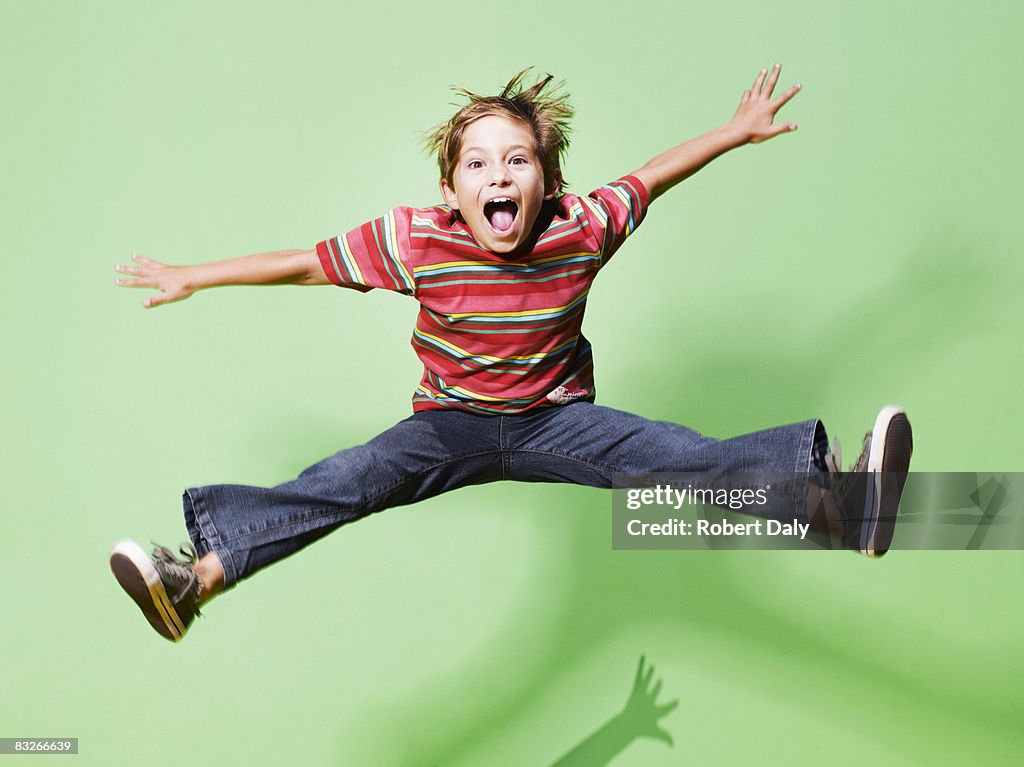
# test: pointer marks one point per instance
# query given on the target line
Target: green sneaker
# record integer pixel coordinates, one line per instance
(164, 587)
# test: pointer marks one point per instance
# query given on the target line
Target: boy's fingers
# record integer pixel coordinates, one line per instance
(135, 282)
(777, 104)
(774, 131)
(158, 300)
(772, 79)
(165, 297)
(756, 89)
(144, 260)
(781, 128)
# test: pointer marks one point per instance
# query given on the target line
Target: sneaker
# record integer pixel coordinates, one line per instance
(868, 495)
(164, 587)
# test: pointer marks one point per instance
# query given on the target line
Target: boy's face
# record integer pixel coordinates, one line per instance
(498, 182)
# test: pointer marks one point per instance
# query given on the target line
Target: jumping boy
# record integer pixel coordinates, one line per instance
(501, 271)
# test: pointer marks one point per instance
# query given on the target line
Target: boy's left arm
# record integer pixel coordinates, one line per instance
(753, 123)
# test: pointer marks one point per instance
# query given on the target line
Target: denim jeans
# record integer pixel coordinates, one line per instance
(434, 451)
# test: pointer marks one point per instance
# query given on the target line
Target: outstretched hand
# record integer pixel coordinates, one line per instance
(169, 280)
(755, 117)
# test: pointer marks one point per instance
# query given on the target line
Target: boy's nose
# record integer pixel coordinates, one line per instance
(500, 176)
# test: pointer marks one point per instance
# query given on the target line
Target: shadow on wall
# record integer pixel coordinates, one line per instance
(638, 719)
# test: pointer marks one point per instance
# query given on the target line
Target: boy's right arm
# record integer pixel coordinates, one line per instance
(176, 283)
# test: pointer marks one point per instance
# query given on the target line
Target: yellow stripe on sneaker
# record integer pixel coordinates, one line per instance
(166, 610)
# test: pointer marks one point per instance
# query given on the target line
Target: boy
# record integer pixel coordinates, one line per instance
(501, 272)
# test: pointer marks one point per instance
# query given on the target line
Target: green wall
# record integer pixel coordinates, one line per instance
(872, 256)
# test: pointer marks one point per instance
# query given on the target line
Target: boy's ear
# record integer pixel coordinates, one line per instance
(448, 193)
(555, 187)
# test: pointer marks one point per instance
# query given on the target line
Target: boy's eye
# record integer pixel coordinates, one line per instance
(474, 164)
(518, 161)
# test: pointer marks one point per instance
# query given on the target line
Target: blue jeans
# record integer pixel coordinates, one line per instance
(434, 451)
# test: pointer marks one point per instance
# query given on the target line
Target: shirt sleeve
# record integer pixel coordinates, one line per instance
(374, 255)
(616, 209)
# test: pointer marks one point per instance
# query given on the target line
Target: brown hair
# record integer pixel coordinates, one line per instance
(546, 113)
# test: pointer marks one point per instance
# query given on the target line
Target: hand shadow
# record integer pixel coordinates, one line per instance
(638, 719)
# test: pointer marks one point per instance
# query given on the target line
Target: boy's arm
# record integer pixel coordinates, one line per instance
(752, 123)
(176, 283)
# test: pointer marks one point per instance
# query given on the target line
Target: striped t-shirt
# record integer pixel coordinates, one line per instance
(497, 333)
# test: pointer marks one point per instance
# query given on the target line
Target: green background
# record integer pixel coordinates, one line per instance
(872, 256)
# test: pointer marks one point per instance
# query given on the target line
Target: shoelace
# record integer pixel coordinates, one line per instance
(860, 465)
(846, 481)
(180, 571)
(186, 551)
(834, 458)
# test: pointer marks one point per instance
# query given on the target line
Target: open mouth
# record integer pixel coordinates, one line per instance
(501, 214)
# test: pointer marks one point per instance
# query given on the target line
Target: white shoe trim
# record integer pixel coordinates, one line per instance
(876, 458)
(144, 565)
(877, 453)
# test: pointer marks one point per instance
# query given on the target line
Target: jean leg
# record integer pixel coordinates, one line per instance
(424, 455)
(589, 444)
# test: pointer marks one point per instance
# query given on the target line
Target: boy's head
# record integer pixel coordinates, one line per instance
(500, 158)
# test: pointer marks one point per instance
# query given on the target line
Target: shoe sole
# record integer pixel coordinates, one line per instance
(892, 444)
(135, 572)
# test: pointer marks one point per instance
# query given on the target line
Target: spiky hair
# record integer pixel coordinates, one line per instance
(545, 110)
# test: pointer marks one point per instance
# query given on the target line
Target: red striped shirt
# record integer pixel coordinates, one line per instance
(497, 333)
